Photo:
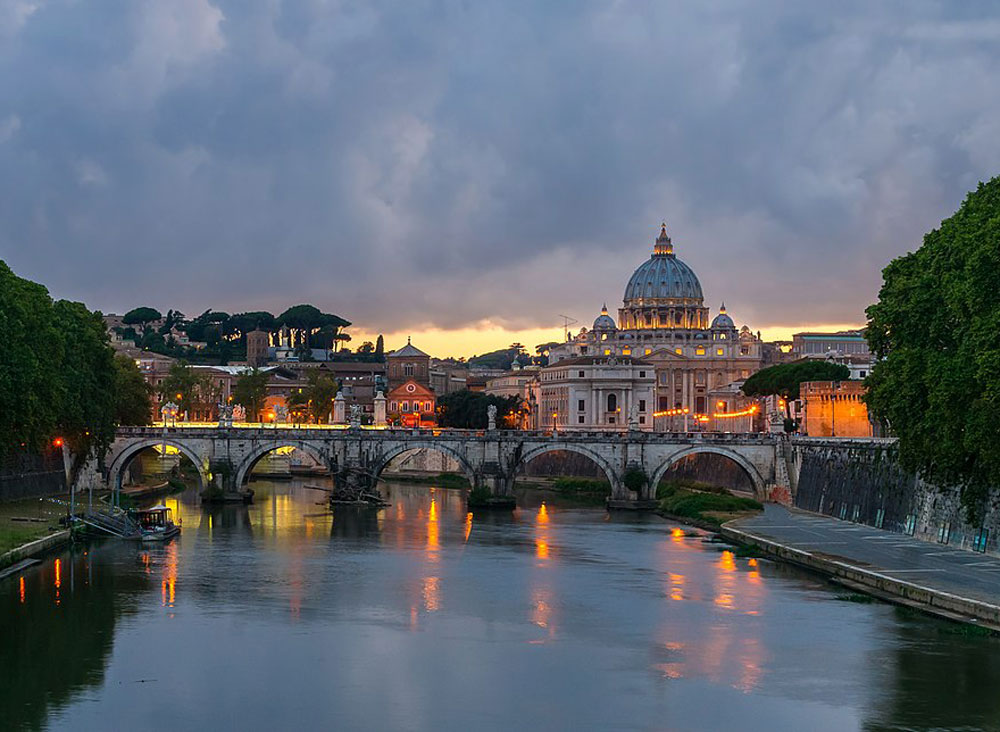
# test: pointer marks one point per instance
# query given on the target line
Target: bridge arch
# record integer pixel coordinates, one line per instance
(383, 460)
(130, 450)
(748, 467)
(248, 463)
(532, 453)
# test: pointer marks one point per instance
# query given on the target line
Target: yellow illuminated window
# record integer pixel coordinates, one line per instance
(607, 351)
(677, 350)
(719, 351)
(627, 351)
(699, 351)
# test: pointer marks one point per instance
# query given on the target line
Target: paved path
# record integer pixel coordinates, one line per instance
(934, 566)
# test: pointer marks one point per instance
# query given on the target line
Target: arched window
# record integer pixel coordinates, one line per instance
(407, 369)
(612, 402)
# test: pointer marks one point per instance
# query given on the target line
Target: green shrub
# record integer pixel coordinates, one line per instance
(582, 485)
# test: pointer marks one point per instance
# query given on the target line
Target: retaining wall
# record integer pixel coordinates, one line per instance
(861, 481)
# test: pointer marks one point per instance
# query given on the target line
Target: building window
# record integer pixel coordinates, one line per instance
(579, 374)
(407, 369)
(581, 419)
(642, 420)
(642, 405)
(626, 351)
(607, 351)
(612, 402)
(642, 374)
(719, 351)
(649, 351)
(611, 420)
(406, 406)
(677, 350)
(699, 351)
(581, 405)
(664, 403)
(393, 406)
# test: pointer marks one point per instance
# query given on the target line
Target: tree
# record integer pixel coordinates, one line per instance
(242, 323)
(141, 316)
(933, 332)
(56, 372)
(30, 385)
(187, 388)
(308, 319)
(380, 348)
(467, 409)
(86, 412)
(784, 379)
(366, 348)
(132, 394)
(317, 397)
(250, 390)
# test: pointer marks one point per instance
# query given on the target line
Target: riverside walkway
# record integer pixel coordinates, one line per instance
(950, 582)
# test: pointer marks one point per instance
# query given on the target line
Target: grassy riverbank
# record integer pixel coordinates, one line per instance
(44, 520)
(704, 503)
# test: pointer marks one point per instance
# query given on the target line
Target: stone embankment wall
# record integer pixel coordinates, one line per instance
(27, 476)
(861, 481)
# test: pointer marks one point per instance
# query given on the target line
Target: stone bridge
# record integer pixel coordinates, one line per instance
(490, 459)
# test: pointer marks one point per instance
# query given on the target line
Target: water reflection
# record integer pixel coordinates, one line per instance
(359, 618)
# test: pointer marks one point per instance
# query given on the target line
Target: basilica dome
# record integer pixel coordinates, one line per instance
(663, 277)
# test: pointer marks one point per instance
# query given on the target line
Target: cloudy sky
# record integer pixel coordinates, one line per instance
(468, 171)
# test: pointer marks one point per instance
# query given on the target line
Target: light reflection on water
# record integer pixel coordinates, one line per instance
(285, 613)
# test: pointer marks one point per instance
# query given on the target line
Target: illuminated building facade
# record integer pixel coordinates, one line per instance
(834, 409)
(596, 393)
(663, 320)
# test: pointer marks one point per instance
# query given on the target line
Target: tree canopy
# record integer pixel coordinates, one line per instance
(784, 379)
(250, 390)
(187, 387)
(933, 331)
(467, 409)
(132, 394)
(316, 399)
(141, 316)
(56, 371)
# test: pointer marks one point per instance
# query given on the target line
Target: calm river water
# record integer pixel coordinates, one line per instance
(421, 616)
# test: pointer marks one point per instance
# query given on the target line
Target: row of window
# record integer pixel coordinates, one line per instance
(417, 406)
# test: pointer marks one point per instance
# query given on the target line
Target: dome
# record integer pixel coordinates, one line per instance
(605, 321)
(723, 321)
(663, 276)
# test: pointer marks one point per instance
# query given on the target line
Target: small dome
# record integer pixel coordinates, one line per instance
(605, 321)
(723, 321)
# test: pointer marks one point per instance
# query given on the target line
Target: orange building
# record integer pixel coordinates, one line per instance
(412, 405)
(834, 409)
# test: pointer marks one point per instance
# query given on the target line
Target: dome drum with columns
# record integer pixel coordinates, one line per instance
(663, 293)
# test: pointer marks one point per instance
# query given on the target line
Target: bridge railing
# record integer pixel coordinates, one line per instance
(290, 431)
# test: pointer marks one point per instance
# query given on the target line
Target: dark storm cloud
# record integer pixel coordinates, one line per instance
(412, 163)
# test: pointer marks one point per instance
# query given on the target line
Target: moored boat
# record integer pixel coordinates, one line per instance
(157, 524)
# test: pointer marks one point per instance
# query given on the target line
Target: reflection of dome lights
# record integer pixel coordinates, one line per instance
(663, 276)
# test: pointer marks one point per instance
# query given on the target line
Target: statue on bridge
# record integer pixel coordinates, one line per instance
(633, 417)
(355, 415)
(491, 415)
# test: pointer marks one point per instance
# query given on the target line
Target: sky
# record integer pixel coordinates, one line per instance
(468, 172)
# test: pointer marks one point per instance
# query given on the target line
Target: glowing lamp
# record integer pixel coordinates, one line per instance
(58, 442)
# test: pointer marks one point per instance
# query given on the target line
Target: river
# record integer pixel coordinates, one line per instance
(421, 616)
